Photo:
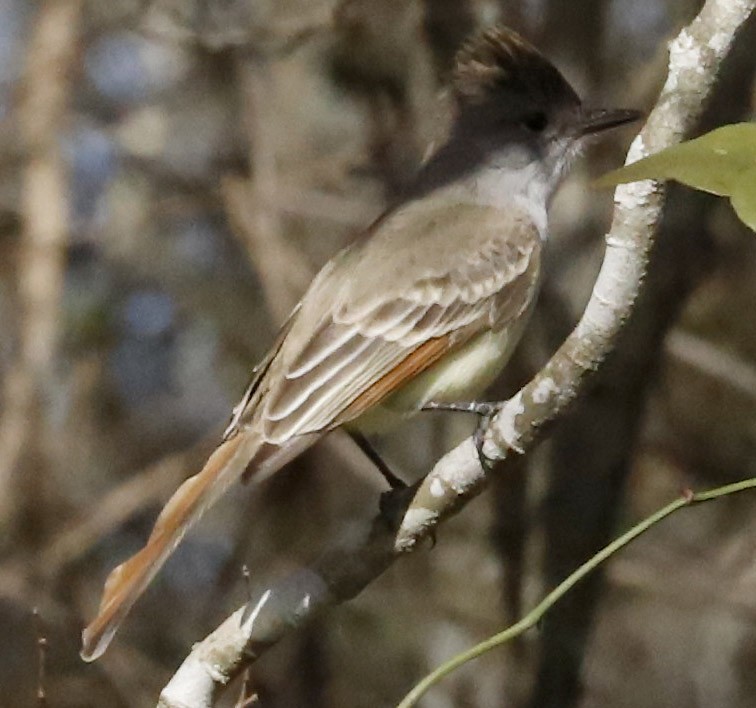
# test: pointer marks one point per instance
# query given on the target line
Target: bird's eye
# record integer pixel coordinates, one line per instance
(536, 122)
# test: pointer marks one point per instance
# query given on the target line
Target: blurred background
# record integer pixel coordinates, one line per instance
(172, 173)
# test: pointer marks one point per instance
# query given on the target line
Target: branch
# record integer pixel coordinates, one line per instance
(713, 361)
(537, 613)
(44, 210)
(695, 57)
(147, 486)
(252, 210)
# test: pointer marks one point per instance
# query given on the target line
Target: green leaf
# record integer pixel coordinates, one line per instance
(744, 199)
(722, 162)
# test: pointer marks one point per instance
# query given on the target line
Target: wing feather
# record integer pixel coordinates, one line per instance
(320, 409)
(371, 337)
(326, 340)
(298, 390)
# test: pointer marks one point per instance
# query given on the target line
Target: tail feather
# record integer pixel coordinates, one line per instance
(127, 582)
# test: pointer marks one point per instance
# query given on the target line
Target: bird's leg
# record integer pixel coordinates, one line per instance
(386, 504)
(485, 410)
(362, 442)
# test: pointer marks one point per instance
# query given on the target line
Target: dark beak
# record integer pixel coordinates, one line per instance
(600, 119)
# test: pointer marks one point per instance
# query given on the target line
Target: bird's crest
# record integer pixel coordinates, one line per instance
(499, 58)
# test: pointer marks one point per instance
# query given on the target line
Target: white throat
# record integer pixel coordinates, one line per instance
(501, 187)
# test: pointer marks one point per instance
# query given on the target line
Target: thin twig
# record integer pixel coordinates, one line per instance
(251, 205)
(247, 696)
(537, 613)
(145, 487)
(42, 646)
(712, 360)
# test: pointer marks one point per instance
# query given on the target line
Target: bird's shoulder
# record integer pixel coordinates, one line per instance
(431, 246)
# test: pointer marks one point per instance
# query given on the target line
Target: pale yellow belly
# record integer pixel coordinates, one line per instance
(460, 376)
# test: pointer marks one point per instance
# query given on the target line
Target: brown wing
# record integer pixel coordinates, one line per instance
(354, 342)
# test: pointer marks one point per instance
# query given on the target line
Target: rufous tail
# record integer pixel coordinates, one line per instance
(127, 582)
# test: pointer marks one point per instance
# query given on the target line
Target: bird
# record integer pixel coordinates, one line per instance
(423, 307)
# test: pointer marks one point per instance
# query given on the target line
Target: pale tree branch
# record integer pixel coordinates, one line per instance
(44, 211)
(695, 58)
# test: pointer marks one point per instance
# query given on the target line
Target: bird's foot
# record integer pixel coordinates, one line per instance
(485, 410)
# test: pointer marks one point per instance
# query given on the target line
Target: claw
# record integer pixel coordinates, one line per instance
(485, 410)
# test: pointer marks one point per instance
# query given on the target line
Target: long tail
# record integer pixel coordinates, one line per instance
(127, 582)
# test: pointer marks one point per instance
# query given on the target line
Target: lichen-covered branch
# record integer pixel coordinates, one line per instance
(695, 57)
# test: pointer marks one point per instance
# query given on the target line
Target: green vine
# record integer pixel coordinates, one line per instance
(537, 613)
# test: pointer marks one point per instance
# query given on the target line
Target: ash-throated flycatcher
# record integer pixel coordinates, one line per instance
(424, 306)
